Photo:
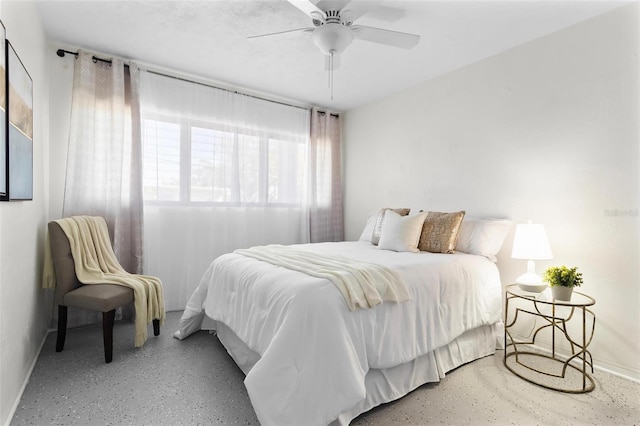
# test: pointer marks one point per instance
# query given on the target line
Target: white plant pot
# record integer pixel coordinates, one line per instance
(562, 293)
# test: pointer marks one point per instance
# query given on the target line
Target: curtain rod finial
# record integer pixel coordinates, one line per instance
(60, 53)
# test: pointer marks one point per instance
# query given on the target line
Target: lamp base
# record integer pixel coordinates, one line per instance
(531, 282)
(533, 288)
(529, 278)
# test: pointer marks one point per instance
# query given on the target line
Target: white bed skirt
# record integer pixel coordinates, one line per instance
(385, 385)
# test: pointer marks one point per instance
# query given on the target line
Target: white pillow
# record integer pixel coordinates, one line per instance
(401, 233)
(482, 236)
(367, 232)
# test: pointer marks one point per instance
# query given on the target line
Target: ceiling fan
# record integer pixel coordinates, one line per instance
(334, 30)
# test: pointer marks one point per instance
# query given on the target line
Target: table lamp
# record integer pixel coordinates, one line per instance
(530, 243)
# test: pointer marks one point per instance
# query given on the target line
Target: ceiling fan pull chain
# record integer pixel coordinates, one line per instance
(331, 73)
(330, 69)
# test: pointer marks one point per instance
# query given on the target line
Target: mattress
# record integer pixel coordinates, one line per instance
(312, 354)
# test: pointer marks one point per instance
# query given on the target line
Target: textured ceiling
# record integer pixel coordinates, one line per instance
(208, 39)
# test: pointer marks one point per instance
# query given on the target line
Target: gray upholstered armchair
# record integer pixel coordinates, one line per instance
(71, 292)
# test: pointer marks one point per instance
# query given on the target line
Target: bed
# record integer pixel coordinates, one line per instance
(310, 359)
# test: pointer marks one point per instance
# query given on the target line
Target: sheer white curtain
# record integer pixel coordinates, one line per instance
(221, 171)
(104, 162)
(325, 168)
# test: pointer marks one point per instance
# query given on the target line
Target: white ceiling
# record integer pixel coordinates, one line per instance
(208, 39)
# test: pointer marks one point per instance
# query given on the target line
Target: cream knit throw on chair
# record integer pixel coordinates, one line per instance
(96, 263)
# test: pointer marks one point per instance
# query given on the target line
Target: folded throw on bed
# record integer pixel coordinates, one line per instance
(96, 263)
(363, 285)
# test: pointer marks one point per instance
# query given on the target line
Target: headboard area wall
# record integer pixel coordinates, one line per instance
(547, 131)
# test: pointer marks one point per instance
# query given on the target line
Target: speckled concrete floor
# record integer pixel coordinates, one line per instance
(195, 382)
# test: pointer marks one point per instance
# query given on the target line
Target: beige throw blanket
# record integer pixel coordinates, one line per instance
(363, 285)
(96, 263)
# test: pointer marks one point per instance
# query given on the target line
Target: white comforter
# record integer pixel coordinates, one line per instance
(314, 352)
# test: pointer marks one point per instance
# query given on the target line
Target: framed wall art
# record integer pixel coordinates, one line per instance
(4, 165)
(19, 90)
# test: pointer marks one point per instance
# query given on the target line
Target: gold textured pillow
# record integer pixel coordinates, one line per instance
(440, 232)
(377, 229)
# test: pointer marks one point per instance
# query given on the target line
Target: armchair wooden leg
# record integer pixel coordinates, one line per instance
(62, 327)
(108, 319)
(156, 327)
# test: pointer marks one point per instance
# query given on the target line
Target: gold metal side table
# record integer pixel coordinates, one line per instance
(550, 370)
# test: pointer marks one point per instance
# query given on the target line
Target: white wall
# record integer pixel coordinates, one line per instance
(61, 88)
(24, 307)
(547, 131)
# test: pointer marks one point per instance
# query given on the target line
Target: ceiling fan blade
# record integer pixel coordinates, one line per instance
(306, 7)
(288, 32)
(375, 9)
(330, 4)
(388, 37)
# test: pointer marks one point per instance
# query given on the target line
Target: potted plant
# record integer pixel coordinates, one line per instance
(562, 280)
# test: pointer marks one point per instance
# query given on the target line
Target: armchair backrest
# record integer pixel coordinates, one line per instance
(65, 267)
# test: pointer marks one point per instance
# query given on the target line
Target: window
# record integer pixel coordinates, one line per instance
(161, 164)
(208, 163)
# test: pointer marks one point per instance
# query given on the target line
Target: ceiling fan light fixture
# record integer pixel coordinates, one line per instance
(333, 30)
(332, 38)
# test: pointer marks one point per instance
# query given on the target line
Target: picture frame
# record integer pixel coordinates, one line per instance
(19, 127)
(4, 143)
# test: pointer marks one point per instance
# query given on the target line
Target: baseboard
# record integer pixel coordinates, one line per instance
(12, 412)
(634, 376)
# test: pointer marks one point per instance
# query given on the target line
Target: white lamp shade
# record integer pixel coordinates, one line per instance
(531, 243)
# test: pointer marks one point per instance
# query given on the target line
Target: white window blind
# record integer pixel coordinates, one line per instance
(213, 157)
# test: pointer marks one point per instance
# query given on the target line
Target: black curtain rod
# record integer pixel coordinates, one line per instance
(333, 114)
(62, 52)
(233, 91)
